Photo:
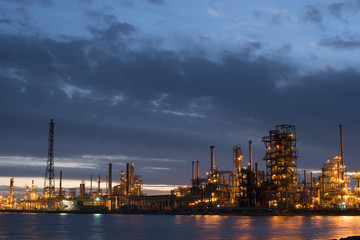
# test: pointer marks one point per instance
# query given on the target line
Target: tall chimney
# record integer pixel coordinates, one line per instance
(110, 179)
(212, 158)
(11, 197)
(342, 146)
(132, 177)
(106, 185)
(82, 190)
(127, 178)
(193, 171)
(341, 163)
(198, 170)
(256, 174)
(99, 189)
(250, 156)
(90, 185)
(60, 191)
(342, 151)
(305, 180)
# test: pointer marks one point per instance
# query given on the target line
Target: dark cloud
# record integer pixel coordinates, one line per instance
(337, 9)
(113, 32)
(272, 16)
(102, 17)
(158, 104)
(204, 38)
(5, 21)
(128, 3)
(18, 19)
(48, 3)
(157, 2)
(340, 43)
(254, 45)
(284, 50)
(342, 10)
(312, 15)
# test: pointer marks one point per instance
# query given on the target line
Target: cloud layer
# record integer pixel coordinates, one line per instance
(129, 82)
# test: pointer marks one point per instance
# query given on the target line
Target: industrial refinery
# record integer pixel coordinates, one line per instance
(244, 186)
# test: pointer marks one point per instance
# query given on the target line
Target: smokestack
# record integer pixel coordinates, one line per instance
(256, 174)
(132, 177)
(110, 179)
(11, 197)
(193, 171)
(82, 190)
(305, 180)
(342, 154)
(99, 190)
(212, 158)
(342, 146)
(106, 185)
(250, 156)
(127, 177)
(198, 170)
(90, 185)
(60, 192)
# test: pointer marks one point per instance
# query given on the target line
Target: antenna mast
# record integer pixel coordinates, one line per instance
(49, 183)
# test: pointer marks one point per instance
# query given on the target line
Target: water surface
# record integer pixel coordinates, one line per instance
(104, 226)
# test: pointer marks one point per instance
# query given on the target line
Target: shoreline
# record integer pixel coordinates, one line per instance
(215, 211)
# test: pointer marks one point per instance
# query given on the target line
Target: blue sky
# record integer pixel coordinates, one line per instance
(157, 82)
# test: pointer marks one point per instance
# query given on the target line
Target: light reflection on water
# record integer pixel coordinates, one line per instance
(98, 226)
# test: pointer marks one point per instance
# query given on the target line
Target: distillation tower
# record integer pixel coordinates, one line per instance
(281, 158)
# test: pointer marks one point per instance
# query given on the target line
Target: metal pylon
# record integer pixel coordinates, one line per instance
(49, 183)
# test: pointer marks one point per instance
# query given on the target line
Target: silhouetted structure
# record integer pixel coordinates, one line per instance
(49, 183)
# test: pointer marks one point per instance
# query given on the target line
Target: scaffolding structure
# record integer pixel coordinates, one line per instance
(333, 181)
(281, 158)
(357, 179)
(237, 176)
(49, 183)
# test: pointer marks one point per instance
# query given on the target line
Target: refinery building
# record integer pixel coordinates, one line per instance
(244, 186)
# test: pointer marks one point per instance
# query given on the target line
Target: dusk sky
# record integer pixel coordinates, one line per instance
(156, 82)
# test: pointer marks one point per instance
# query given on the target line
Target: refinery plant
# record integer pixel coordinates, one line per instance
(242, 187)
